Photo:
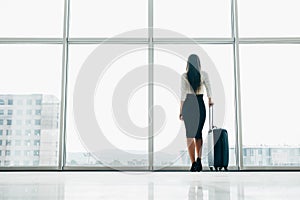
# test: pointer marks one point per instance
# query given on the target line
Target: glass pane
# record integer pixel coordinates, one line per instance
(31, 18)
(270, 104)
(170, 62)
(193, 18)
(30, 104)
(265, 18)
(107, 18)
(112, 130)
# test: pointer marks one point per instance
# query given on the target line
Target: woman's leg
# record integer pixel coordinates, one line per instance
(198, 138)
(191, 148)
(198, 143)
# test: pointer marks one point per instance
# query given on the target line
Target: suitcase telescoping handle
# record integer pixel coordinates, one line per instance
(211, 117)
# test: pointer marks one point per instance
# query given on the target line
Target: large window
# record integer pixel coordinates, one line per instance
(81, 87)
(265, 18)
(269, 80)
(119, 99)
(102, 19)
(31, 18)
(32, 73)
(193, 18)
(169, 141)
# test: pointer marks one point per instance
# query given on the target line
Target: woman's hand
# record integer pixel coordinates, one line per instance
(180, 116)
(210, 102)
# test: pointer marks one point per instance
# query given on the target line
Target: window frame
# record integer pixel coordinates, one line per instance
(65, 41)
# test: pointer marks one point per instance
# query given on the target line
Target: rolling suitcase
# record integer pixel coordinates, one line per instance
(218, 148)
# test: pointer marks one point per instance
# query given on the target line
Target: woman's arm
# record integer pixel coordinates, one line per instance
(183, 94)
(208, 89)
(180, 114)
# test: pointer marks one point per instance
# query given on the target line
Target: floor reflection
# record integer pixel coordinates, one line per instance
(34, 191)
(144, 185)
(196, 192)
(199, 190)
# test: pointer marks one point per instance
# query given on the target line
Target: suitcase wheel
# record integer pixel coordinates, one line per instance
(211, 169)
(226, 169)
(216, 169)
(220, 168)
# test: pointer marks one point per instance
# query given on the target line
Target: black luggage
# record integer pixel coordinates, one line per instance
(218, 148)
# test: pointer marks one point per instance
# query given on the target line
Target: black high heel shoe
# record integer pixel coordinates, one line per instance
(193, 167)
(198, 165)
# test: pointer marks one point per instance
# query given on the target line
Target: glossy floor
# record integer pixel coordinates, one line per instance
(150, 185)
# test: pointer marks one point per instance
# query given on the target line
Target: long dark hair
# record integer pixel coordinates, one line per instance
(193, 71)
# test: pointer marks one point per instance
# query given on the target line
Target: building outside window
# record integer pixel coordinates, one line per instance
(17, 142)
(36, 143)
(19, 112)
(29, 102)
(38, 102)
(18, 132)
(37, 132)
(28, 122)
(8, 143)
(10, 112)
(7, 152)
(28, 132)
(27, 142)
(6, 162)
(38, 112)
(27, 153)
(37, 122)
(10, 102)
(8, 132)
(9, 122)
(17, 153)
(36, 152)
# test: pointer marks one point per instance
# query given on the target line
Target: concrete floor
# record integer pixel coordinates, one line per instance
(150, 185)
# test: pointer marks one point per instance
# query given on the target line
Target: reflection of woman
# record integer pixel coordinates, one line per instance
(195, 191)
(192, 108)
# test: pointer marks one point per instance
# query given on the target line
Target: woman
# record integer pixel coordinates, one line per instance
(192, 107)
